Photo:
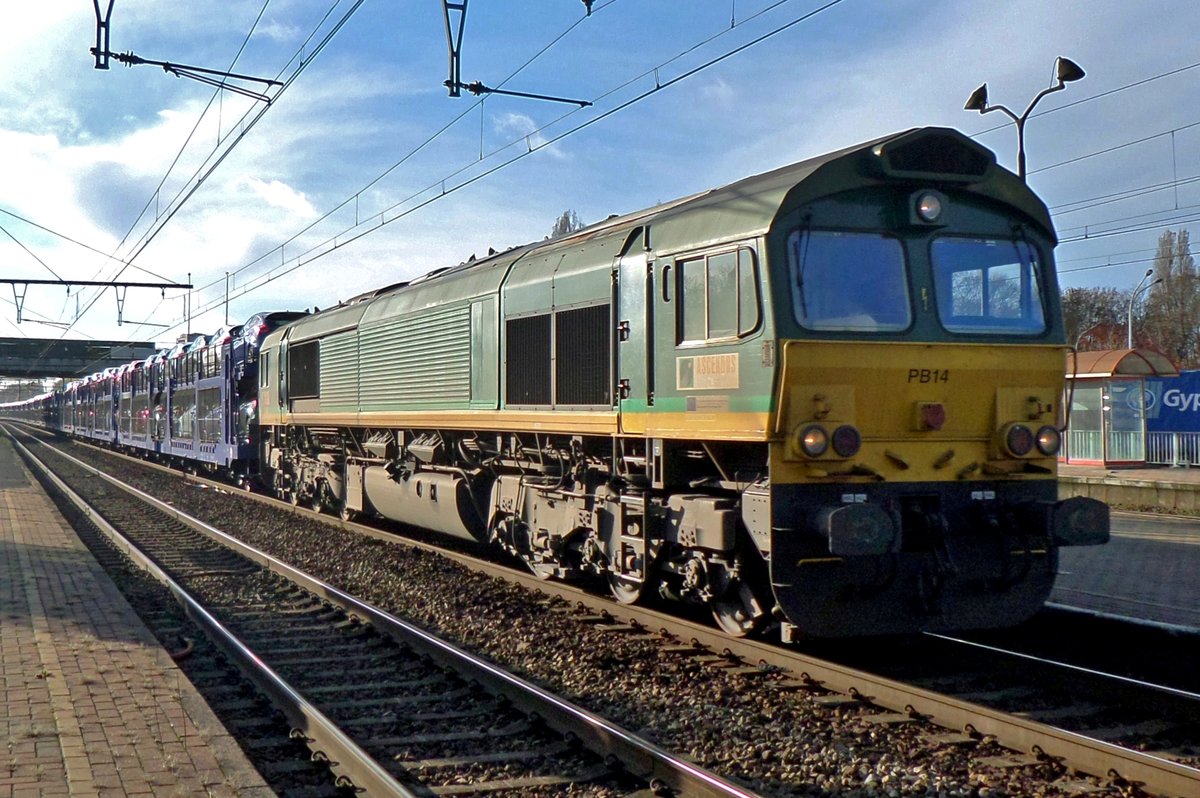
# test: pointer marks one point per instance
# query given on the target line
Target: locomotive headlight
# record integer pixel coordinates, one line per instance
(1049, 440)
(1018, 440)
(928, 206)
(812, 439)
(846, 441)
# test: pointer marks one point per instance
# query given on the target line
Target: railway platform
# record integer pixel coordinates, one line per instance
(93, 705)
(1161, 489)
(1148, 569)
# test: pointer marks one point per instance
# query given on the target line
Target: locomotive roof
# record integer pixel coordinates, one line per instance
(748, 207)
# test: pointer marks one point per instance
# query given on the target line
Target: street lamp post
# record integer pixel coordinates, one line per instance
(1141, 286)
(1065, 71)
(1079, 338)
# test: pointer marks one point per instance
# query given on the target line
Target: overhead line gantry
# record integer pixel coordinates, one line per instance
(119, 288)
(456, 20)
(212, 77)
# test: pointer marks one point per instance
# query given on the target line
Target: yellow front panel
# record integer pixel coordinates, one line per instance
(884, 388)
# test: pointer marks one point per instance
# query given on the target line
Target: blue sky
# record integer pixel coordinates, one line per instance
(83, 152)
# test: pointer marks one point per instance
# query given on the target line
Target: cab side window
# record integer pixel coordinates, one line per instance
(719, 297)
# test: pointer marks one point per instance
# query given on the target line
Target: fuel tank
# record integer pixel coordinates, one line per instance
(441, 502)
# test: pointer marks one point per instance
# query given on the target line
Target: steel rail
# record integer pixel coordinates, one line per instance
(345, 757)
(1077, 751)
(638, 756)
(1169, 694)
(1155, 774)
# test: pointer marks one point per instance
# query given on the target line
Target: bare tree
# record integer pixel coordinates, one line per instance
(1172, 309)
(1095, 317)
(567, 223)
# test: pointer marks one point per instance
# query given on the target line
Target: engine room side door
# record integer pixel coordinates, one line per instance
(635, 342)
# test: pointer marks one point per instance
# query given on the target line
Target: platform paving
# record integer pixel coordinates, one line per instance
(1150, 569)
(92, 704)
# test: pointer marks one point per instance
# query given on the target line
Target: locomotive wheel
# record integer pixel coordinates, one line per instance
(624, 589)
(345, 513)
(629, 591)
(736, 610)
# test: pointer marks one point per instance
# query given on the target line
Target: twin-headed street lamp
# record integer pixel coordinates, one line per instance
(1065, 71)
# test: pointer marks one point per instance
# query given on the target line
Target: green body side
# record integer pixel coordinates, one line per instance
(438, 343)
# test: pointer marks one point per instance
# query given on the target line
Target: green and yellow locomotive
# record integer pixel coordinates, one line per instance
(826, 396)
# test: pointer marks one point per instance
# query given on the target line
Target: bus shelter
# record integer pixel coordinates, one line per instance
(1106, 395)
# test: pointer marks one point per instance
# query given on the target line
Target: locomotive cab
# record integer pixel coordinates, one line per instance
(913, 473)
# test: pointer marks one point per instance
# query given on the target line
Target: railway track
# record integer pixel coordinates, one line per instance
(950, 719)
(392, 709)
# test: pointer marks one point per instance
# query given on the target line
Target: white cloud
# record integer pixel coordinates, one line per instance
(279, 31)
(514, 126)
(280, 195)
(719, 92)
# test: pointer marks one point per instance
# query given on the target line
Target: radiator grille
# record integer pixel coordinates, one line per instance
(304, 370)
(582, 361)
(339, 371)
(527, 368)
(419, 360)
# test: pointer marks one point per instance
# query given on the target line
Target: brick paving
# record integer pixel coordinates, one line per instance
(93, 706)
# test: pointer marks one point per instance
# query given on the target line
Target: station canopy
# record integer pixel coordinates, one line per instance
(1120, 363)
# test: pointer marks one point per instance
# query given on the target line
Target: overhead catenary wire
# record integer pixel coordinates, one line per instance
(352, 234)
(191, 133)
(1092, 229)
(146, 239)
(200, 175)
(183, 196)
(28, 251)
(79, 243)
(409, 155)
(465, 167)
(1109, 254)
(154, 194)
(1116, 147)
(1120, 196)
(179, 155)
(1107, 265)
(1136, 228)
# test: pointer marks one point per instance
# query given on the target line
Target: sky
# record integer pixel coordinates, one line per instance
(362, 171)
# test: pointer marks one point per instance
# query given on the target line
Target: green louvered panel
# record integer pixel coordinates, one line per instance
(417, 361)
(339, 373)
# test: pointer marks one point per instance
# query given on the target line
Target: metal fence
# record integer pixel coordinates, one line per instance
(1173, 448)
(1090, 445)
(1085, 444)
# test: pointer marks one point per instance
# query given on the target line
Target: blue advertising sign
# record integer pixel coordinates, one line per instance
(1173, 403)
